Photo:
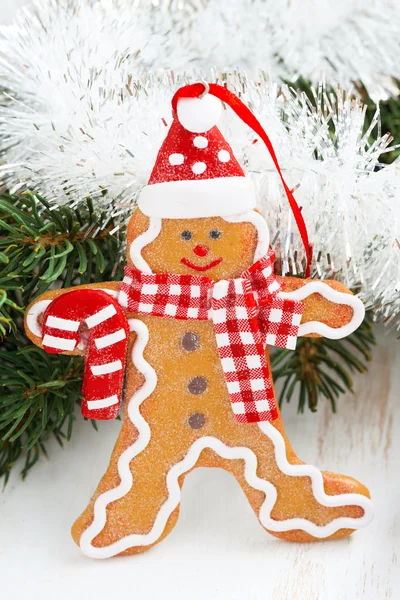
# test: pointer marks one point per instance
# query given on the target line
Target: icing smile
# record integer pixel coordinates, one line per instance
(212, 264)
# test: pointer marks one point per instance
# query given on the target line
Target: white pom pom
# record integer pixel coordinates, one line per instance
(199, 115)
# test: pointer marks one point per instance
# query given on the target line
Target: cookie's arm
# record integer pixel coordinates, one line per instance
(34, 312)
(330, 310)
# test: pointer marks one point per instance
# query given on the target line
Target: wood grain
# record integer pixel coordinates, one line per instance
(218, 550)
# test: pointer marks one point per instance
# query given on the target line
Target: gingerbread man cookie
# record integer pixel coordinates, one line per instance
(190, 326)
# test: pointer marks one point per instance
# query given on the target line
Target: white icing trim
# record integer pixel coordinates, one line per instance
(106, 368)
(59, 343)
(317, 484)
(103, 403)
(250, 474)
(112, 293)
(260, 224)
(100, 316)
(252, 216)
(63, 324)
(318, 287)
(100, 506)
(135, 250)
(32, 316)
(110, 339)
(198, 198)
(123, 299)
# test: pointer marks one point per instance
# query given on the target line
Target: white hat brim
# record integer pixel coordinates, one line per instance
(191, 199)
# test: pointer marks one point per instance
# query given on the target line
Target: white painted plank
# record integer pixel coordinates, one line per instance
(218, 550)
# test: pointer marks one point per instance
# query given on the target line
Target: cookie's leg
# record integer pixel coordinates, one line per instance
(136, 520)
(137, 502)
(292, 500)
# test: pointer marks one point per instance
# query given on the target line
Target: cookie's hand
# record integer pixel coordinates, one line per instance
(35, 311)
(330, 310)
(107, 332)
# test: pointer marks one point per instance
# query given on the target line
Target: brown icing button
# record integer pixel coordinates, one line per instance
(197, 385)
(197, 420)
(190, 342)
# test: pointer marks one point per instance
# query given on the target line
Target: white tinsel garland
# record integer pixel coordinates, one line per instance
(74, 122)
(344, 41)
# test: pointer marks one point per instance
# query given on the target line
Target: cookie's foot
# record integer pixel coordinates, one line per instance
(334, 484)
(292, 500)
(119, 521)
(111, 540)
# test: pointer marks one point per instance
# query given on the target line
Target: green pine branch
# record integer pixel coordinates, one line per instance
(43, 247)
(39, 392)
(389, 111)
(322, 368)
(390, 122)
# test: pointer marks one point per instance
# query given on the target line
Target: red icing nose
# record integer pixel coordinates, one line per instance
(200, 251)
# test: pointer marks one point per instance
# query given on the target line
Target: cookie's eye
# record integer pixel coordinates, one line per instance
(214, 234)
(186, 235)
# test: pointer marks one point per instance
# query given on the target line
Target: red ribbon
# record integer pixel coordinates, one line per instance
(197, 89)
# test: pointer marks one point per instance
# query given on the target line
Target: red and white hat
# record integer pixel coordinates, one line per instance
(196, 173)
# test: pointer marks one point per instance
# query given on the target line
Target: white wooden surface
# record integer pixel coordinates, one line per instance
(218, 550)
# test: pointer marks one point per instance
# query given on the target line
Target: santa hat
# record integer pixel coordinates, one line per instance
(196, 173)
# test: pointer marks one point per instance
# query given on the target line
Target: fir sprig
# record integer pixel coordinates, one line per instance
(43, 247)
(390, 121)
(51, 246)
(320, 367)
(389, 112)
(37, 401)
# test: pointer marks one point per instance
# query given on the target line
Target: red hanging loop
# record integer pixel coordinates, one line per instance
(244, 113)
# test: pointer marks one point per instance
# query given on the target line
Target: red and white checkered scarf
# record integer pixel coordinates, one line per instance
(247, 314)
